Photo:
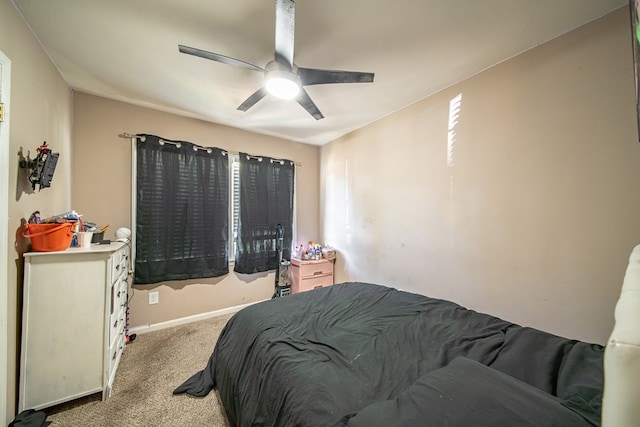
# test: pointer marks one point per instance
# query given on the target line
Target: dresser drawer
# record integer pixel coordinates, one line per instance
(118, 296)
(312, 283)
(316, 269)
(116, 260)
(115, 351)
(117, 324)
(119, 264)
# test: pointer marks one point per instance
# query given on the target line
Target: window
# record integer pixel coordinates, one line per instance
(182, 205)
(234, 211)
(193, 204)
(266, 193)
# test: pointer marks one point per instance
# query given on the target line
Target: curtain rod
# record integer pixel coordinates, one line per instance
(197, 147)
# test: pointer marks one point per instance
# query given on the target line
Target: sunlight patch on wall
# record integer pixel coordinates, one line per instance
(454, 113)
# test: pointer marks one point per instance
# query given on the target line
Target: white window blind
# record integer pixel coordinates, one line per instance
(234, 214)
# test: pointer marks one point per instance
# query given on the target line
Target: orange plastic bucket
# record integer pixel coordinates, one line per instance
(49, 237)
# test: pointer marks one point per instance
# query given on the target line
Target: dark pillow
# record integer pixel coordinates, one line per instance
(468, 393)
(568, 369)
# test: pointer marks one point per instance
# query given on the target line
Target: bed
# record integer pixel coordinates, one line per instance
(359, 354)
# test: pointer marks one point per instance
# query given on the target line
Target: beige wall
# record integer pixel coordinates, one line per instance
(536, 216)
(533, 220)
(40, 110)
(102, 193)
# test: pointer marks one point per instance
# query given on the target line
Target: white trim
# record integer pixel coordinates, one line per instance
(189, 319)
(5, 65)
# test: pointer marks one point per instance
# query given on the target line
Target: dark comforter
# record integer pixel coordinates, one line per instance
(362, 355)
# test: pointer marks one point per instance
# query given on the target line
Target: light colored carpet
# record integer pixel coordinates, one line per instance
(152, 366)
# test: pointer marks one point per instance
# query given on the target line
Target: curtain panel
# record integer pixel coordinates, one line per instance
(266, 200)
(182, 210)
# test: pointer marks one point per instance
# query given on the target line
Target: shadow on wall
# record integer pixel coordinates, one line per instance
(22, 244)
(180, 284)
(22, 179)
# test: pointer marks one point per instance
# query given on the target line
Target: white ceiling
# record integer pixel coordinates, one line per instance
(127, 50)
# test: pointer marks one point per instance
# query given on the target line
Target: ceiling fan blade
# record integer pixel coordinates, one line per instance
(217, 57)
(255, 97)
(311, 76)
(304, 99)
(285, 31)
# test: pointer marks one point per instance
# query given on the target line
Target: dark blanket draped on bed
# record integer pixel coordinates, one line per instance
(362, 354)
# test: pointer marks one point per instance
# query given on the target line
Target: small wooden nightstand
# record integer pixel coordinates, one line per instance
(307, 275)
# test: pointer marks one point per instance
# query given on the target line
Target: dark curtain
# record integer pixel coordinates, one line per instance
(266, 200)
(182, 212)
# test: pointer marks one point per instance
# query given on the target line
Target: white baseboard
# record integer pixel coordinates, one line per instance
(184, 320)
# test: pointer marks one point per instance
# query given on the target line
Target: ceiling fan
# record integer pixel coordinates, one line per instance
(281, 76)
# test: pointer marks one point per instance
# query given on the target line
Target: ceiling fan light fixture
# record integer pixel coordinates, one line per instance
(280, 81)
(282, 86)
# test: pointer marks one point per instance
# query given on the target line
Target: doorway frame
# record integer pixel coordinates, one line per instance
(5, 88)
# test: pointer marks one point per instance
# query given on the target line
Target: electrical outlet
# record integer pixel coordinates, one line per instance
(154, 297)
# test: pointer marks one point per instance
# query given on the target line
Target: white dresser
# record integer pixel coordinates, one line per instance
(73, 323)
